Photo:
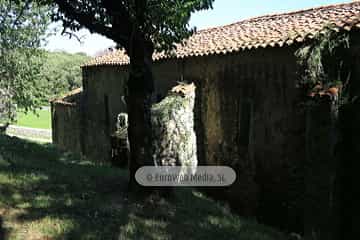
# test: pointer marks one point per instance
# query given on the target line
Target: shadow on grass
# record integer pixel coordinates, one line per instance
(2, 231)
(59, 196)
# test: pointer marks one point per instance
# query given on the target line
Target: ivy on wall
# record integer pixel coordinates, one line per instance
(325, 64)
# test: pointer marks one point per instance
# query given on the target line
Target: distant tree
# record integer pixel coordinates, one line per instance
(22, 28)
(140, 27)
(61, 73)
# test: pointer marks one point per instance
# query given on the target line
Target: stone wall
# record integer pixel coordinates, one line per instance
(66, 126)
(247, 116)
(43, 135)
(104, 90)
(104, 98)
(349, 151)
(321, 195)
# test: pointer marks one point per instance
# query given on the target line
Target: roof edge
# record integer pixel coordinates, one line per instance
(282, 14)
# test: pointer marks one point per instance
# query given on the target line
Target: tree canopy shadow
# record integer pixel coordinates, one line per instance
(2, 231)
(62, 197)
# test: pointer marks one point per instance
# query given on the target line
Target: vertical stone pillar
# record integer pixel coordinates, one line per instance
(173, 128)
(350, 165)
(321, 170)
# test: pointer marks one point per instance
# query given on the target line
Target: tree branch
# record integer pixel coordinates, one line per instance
(88, 20)
(120, 15)
(5, 15)
(25, 7)
(71, 35)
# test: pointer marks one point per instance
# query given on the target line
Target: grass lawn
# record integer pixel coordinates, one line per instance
(42, 120)
(46, 194)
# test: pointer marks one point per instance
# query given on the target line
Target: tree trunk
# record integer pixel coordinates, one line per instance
(140, 89)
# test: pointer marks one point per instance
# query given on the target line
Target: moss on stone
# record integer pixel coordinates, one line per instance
(173, 130)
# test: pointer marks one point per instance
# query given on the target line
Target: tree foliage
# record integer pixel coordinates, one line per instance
(325, 59)
(61, 73)
(140, 27)
(163, 22)
(22, 28)
(326, 62)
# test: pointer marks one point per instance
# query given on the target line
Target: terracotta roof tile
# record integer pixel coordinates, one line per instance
(265, 31)
(68, 98)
